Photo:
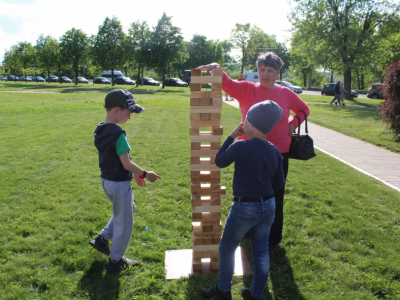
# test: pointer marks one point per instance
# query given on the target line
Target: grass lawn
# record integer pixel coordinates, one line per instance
(328, 99)
(341, 228)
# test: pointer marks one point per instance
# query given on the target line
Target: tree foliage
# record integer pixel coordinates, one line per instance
(139, 36)
(108, 46)
(240, 37)
(48, 52)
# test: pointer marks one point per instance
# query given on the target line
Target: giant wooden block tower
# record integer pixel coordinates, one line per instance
(205, 138)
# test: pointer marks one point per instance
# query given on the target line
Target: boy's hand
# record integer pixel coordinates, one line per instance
(237, 131)
(151, 176)
(139, 181)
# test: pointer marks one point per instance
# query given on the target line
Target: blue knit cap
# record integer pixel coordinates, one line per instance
(264, 115)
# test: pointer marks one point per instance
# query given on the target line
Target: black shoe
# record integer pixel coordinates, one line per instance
(245, 292)
(335, 103)
(121, 264)
(215, 292)
(100, 245)
(273, 248)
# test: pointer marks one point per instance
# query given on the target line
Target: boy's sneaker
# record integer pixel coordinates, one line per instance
(101, 245)
(245, 292)
(215, 292)
(120, 265)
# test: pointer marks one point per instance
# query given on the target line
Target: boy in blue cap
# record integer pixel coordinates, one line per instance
(258, 173)
(117, 171)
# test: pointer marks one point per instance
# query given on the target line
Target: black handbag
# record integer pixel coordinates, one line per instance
(302, 146)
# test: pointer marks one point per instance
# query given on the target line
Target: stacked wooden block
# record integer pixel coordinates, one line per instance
(205, 138)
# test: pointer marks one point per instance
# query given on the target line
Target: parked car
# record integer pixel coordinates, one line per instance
(101, 80)
(148, 81)
(329, 90)
(64, 79)
(37, 78)
(108, 75)
(52, 78)
(80, 80)
(124, 80)
(175, 82)
(3, 78)
(294, 88)
(25, 78)
(375, 91)
(12, 78)
(206, 85)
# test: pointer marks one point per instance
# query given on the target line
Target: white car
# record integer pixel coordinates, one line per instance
(294, 88)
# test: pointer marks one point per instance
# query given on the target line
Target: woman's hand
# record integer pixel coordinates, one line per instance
(209, 67)
(237, 131)
(291, 129)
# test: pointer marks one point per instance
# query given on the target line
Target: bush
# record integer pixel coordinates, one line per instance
(390, 108)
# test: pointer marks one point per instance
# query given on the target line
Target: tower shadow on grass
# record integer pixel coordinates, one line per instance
(96, 284)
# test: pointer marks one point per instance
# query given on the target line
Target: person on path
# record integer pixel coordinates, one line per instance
(337, 93)
(258, 174)
(249, 93)
(117, 171)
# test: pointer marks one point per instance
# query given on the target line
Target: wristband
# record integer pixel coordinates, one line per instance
(143, 175)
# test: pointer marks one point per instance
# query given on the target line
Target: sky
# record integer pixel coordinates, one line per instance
(25, 20)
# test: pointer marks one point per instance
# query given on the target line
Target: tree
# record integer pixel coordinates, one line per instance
(139, 36)
(240, 37)
(74, 50)
(26, 56)
(166, 45)
(48, 52)
(344, 27)
(108, 47)
(12, 61)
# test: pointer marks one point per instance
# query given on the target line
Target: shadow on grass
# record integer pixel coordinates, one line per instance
(97, 285)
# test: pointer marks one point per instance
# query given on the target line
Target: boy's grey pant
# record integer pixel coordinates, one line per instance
(119, 228)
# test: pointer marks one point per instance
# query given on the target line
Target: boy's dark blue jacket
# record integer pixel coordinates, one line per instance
(105, 140)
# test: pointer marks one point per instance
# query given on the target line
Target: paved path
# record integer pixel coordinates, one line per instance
(379, 163)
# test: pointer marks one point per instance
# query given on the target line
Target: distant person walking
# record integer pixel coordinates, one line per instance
(337, 93)
(342, 93)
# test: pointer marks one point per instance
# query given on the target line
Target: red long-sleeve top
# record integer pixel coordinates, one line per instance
(249, 93)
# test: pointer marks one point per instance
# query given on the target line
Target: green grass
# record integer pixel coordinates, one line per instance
(327, 99)
(341, 227)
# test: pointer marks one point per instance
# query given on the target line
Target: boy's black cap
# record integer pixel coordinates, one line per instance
(122, 98)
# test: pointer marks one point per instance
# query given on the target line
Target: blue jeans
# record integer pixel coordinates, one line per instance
(257, 218)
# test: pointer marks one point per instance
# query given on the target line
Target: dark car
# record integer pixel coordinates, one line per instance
(12, 78)
(375, 92)
(174, 82)
(148, 81)
(329, 90)
(80, 80)
(52, 78)
(37, 78)
(64, 79)
(123, 80)
(101, 80)
(3, 78)
(25, 78)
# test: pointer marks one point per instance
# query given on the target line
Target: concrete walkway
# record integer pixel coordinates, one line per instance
(379, 163)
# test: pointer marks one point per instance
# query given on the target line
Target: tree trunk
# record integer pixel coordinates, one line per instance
(112, 76)
(126, 72)
(347, 85)
(362, 81)
(76, 76)
(163, 75)
(241, 72)
(60, 74)
(138, 76)
(48, 75)
(305, 79)
(141, 83)
(358, 79)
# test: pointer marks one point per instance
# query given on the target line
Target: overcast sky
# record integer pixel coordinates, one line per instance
(25, 20)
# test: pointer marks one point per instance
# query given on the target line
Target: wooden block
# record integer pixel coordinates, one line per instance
(197, 265)
(205, 102)
(216, 86)
(204, 167)
(197, 255)
(214, 265)
(207, 254)
(216, 116)
(196, 216)
(195, 187)
(215, 130)
(195, 86)
(204, 138)
(194, 145)
(216, 239)
(215, 254)
(195, 72)
(195, 102)
(195, 174)
(215, 145)
(198, 240)
(206, 79)
(204, 117)
(206, 109)
(217, 72)
(206, 208)
(215, 174)
(215, 199)
(194, 131)
(207, 94)
(207, 242)
(204, 153)
(207, 226)
(217, 102)
(212, 160)
(195, 117)
(196, 201)
(197, 227)
(205, 123)
(206, 247)
(207, 217)
(194, 160)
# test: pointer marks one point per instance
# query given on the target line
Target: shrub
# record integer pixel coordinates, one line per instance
(390, 108)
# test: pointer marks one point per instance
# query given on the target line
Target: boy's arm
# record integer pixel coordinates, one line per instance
(226, 154)
(136, 170)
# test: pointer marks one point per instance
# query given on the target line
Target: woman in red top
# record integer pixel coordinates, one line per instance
(248, 93)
